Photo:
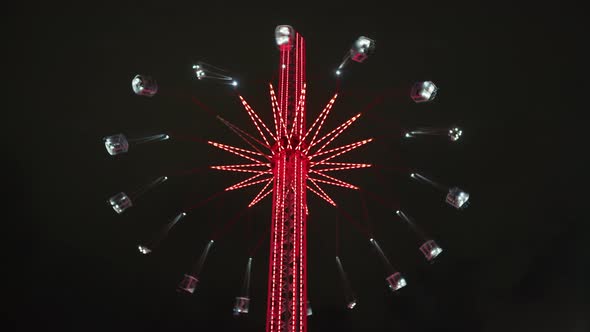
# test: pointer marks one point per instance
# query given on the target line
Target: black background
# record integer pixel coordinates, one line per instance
(516, 259)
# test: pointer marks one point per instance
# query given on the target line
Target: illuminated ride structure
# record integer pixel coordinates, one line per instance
(296, 160)
(287, 161)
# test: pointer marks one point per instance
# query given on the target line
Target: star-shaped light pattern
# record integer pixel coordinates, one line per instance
(294, 139)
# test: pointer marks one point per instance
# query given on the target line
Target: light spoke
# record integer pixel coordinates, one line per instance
(342, 166)
(334, 133)
(349, 186)
(344, 184)
(248, 182)
(254, 117)
(261, 195)
(321, 193)
(342, 150)
(321, 118)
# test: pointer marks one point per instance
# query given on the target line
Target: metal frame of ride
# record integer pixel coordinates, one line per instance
(287, 161)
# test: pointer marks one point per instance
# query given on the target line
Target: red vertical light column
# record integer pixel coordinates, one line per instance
(287, 291)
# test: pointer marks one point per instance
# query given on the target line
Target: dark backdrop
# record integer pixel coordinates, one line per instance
(515, 260)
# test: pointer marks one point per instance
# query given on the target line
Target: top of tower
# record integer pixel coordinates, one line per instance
(284, 36)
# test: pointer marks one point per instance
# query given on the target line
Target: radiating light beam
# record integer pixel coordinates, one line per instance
(343, 166)
(277, 110)
(344, 184)
(199, 266)
(231, 169)
(245, 181)
(260, 198)
(235, 150)
(241, 132)
(244, 165)
(302, 113)
(427, 180)
(274, 111)
(298, 109)
(320, 195)
(234, 187)
(349, 186)
(248, 182)
(343, 149)
(321, 192)
(384, 258)
(322, 117)
(254, 117)
(334, 133)
(255, 200)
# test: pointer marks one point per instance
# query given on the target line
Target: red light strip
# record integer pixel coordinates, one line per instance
(280, 86)
(323, 115)
(261, 122)
(274, 112)
(339, 130)
(247, 107)
(286, 100)
(260, 195)
(221, 146)
(349, 186)
(302, 224)
(344, 168)
(280, 202)
(295, 229)
(229, 149)
(324, 196)
(343, 164)
(254, 117)
(273, 262)
(260, 199)
(300, 179)
(343, 149)
(301, 112)
(282, 221)
(234, 187)
(331, 178)
(245, 181)
(280, 95)
(244, 165)
(241, 132)
(335, 150)
(277, 109)
(301, 68)
(299, 106)
(230, 169)
(286, 95)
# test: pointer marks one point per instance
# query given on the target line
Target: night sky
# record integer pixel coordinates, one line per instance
(516, 259)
